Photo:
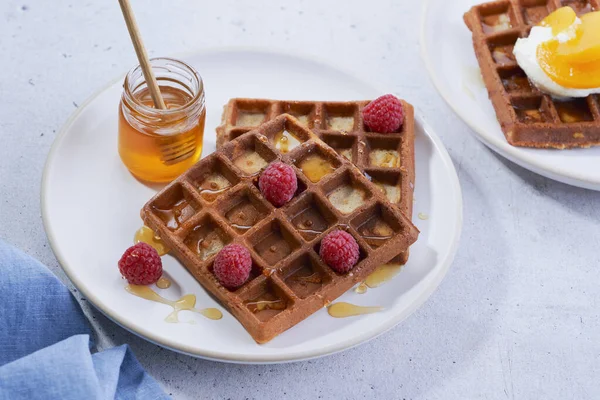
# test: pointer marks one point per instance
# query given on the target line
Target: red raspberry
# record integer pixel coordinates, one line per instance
(384, 114)
(278, 183)
(339, 250)
(141, 264)
(233, 265)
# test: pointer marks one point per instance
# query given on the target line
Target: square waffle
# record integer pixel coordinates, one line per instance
(388, 160)
(217, 202)
(528, 117)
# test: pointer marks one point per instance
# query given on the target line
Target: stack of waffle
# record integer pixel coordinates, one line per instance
(217, 202)
(387, 159)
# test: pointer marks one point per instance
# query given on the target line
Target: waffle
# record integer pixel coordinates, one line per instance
(340, 125)
(528, 117)
(217, 202)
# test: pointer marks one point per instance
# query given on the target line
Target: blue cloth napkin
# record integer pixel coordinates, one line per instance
(45, 345)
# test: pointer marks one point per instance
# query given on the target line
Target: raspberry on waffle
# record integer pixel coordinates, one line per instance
(387, 159)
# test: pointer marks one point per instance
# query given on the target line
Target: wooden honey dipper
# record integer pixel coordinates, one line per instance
(172, 151)
(142, 55)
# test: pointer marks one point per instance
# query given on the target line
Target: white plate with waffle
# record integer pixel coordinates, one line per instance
(447, 51)
(87, 189)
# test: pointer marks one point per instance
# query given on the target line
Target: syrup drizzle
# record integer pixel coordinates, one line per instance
(361, 288)
(284, 141)
(314, 278)
(261, 305)
(186, 303)
(176, 215)
(147, 235)
(381, 275)
(212, 194)
(376, 240)
(163, 283)
(343, 310)
(241, 227)
(316, 167)
(310, 232)
(213, 186)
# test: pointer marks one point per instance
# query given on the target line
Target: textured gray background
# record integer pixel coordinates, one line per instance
(516, 317)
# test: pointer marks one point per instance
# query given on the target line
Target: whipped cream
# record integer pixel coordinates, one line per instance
(525, 52)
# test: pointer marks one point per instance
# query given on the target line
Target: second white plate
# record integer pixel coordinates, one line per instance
(90, 206)
(447, 51)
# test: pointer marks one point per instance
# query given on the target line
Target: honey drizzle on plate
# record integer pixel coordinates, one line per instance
(381, 275)
(147, 235)
(361, 288)
(185, 303)
(163, 283)
(343, 310)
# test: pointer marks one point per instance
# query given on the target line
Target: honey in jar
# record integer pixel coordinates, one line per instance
(157, 145)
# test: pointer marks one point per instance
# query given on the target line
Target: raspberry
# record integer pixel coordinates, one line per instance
(232, 266)
(141, 264)
(339, 250)
(278, 183)
(384, 114)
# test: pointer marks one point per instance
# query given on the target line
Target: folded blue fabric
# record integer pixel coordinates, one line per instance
(45, 346)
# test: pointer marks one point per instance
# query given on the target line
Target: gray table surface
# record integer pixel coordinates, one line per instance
(517, 315)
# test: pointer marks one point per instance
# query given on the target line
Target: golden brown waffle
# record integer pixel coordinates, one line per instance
(340, 125)
(217, 202)
(528, 117)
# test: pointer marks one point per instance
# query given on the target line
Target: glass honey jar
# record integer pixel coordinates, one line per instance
(157, 145)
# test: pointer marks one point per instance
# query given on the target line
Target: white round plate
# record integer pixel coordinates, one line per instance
(90, 201)
(447, 51)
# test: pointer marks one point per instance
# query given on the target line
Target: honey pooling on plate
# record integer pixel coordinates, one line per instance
(157, 145)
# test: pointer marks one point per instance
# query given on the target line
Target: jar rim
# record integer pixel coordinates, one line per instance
(157, 112)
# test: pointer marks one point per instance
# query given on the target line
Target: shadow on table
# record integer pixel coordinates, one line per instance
(570, 197)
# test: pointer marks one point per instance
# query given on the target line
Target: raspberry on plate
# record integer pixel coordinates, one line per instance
(278, 183)
(141, 264)
(384, 114)
(339, 250)
(232, 266)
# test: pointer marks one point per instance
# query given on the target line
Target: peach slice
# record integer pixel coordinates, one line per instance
(576, 62)
(559, 20)
(576, 76)
(585, 46)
